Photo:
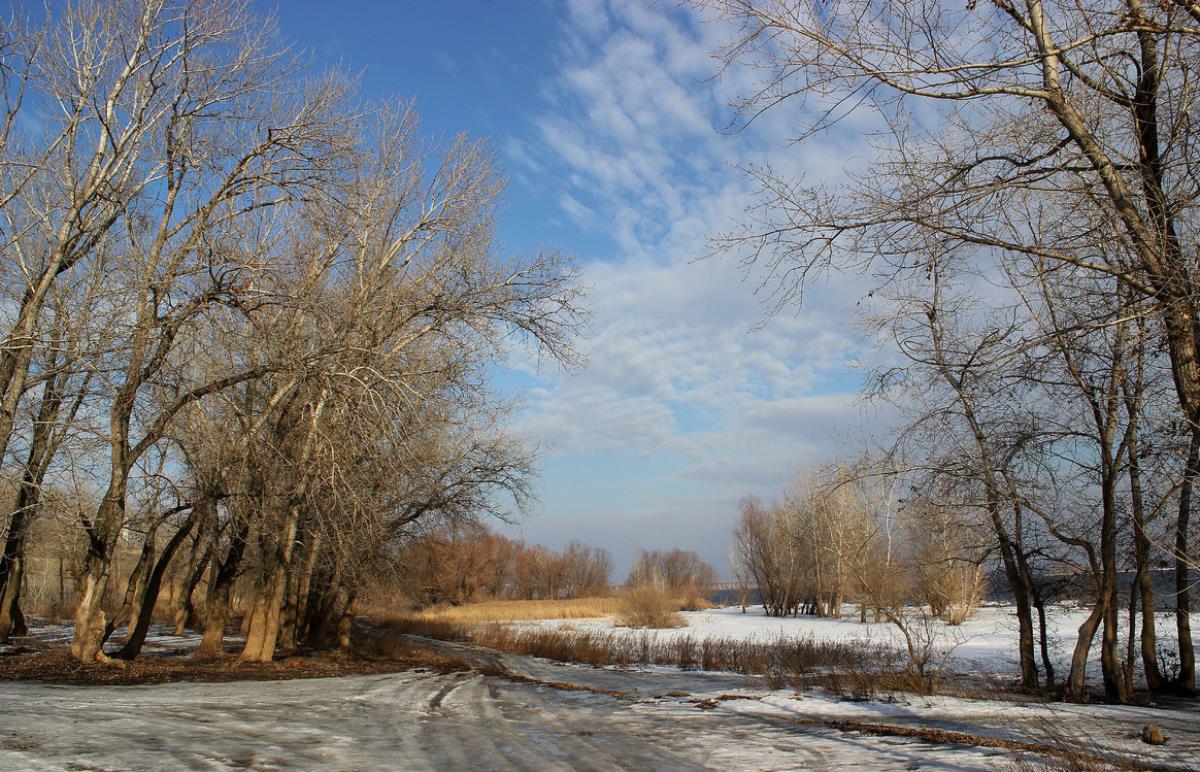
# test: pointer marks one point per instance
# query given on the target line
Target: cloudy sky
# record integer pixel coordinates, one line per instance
(607, 117)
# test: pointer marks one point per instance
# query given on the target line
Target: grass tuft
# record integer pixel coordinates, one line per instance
(649, 606)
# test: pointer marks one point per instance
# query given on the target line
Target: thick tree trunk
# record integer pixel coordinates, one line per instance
(216, 604)
(12, 575)
(103, 536)
(12, 621)
(265, 623)
(86, 645)
(1077, 677)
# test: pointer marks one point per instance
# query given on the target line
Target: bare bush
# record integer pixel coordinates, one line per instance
(682, 572)
(650, 605)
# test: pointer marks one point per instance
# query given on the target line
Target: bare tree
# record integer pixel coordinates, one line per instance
(1033, 129)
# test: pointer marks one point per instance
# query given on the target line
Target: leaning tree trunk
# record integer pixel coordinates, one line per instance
(135, 589)
(185, 612)
(1077, 677)
(137, 636)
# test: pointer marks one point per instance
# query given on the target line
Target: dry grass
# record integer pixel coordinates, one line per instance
(796, 662)
(522, 610)
(526, 610)
(649, 606)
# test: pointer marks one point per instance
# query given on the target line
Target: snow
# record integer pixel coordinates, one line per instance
(426, 720)
(609, 718)
(986, 643)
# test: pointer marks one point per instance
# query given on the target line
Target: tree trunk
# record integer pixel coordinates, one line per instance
(1110, 654)
(304, 587)
(265, 624)
(1130, 663)
(1043, 636)
(137, 637)
(1186, 681)
(12, 621)
(11, 580)
(103, 536)
(216, 603)
(346, 623)
(1142, 590)
(185, 611)
(289, 619)
(1077, 677)
(28, 504)
(135, 589)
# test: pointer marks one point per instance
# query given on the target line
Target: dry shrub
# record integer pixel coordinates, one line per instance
(441, 629)
(649, 606)
(965, 587)
(695, 602)
(1062, 751)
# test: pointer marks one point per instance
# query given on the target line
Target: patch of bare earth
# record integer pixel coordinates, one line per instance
(54, 664)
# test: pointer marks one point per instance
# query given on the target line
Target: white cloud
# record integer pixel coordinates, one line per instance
(678, 368)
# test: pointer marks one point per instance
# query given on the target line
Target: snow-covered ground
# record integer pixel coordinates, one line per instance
(985, 643)
(542, 715)
(426, 720)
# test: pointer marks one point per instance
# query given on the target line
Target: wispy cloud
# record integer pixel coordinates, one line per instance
(681, 372)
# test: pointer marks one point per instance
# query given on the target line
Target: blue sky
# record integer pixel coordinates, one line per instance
(605, 116)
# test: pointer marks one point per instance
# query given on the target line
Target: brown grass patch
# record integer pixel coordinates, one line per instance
(649, 606)
(521, 610)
